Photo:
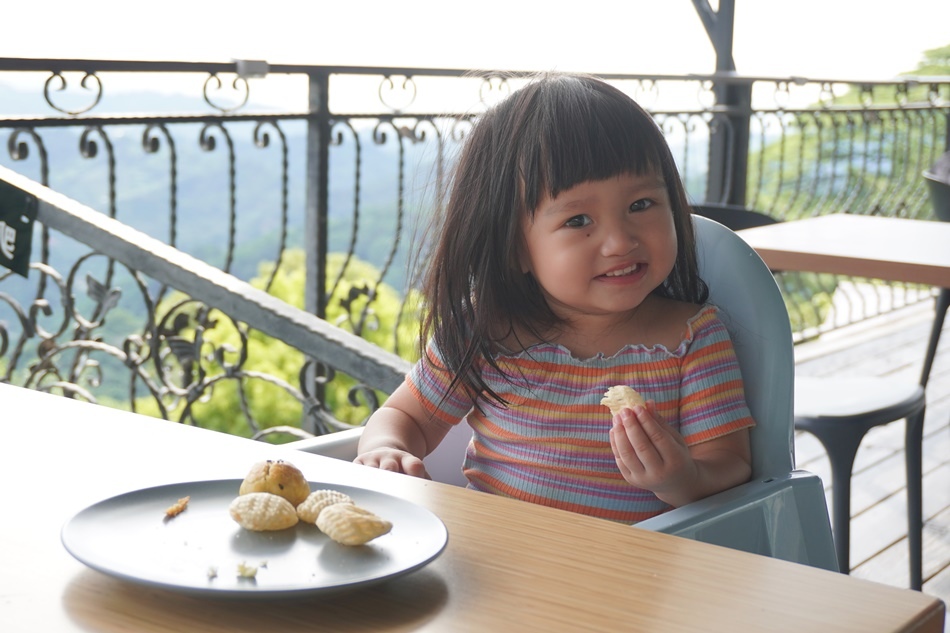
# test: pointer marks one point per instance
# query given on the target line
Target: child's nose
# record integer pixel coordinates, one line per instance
(618, 240)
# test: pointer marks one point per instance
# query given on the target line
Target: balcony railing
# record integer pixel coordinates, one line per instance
(307, 184)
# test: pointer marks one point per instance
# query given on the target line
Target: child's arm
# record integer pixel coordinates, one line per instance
(652, 455)
(398, 436)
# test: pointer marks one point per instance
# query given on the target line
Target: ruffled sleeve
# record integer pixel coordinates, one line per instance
(429, 382)
(712, 395)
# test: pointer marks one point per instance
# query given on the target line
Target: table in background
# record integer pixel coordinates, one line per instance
(892, 249)
(508, 565)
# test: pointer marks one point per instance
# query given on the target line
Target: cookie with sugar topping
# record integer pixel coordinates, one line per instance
(279, 478)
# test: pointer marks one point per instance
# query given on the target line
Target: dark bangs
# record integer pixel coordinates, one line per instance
(583, 131)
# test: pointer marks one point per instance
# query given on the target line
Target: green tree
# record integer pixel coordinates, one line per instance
(936, 62)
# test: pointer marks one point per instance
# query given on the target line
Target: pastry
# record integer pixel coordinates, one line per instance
(263, 512)
(279, 478)
(621, 397)
(348, 524)
(310, 509)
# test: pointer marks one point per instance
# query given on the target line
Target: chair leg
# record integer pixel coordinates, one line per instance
(841, 449)
(841, 509)
(913, 441)
(941, 305)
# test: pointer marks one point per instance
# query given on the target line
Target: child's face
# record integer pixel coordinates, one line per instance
(601, 247)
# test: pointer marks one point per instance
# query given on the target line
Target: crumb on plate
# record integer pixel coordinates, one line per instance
(177, 508)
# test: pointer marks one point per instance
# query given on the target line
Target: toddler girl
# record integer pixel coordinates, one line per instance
(565, 264)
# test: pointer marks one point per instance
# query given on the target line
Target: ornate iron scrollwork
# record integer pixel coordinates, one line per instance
(397, 98)
(239, 86)
(88, 78)
(492, 89)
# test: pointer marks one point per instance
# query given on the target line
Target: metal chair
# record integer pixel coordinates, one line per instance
(839, 412)
(938, 184)
(781, 512)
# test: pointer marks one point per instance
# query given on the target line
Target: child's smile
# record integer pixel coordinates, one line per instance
(627, 271)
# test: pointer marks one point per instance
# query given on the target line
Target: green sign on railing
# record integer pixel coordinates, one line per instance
(17, 213)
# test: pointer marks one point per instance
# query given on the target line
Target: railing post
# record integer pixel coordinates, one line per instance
(729, 138)
(729, 145)
(317, 186)
(315, 220)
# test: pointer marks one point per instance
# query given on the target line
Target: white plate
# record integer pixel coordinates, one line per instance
(128, 537)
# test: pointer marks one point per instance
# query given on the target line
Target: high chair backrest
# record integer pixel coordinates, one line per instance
(753, 309)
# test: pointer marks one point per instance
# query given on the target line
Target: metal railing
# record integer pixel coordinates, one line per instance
(308, 183)
(172, 361)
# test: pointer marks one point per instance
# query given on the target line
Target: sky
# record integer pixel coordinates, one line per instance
(848, 39)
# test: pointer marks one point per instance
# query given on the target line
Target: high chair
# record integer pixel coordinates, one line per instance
(781, 512)
(839, 412)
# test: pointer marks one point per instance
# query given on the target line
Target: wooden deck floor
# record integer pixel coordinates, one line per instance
(890, 346)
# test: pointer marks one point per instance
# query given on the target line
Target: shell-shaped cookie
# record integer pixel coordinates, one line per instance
(351, 525)
(262, 511)
(621, 397)
(310, 509)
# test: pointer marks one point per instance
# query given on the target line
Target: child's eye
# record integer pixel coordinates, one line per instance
(578, 221)
(641, 205)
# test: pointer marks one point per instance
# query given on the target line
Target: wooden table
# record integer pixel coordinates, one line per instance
(508, 565)
(892, 249)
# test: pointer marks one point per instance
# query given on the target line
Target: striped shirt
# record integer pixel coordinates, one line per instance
(550, 445)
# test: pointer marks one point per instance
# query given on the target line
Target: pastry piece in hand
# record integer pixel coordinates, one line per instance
(278, 478)
(350, 524)
(310, 509)
(263, 512)
(621, 397)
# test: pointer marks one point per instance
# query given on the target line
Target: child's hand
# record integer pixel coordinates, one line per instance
(652, 455)
(394, 460)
